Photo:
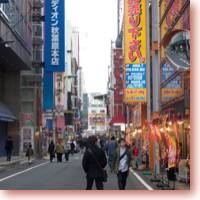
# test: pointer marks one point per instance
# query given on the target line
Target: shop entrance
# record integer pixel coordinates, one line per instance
(3, 137)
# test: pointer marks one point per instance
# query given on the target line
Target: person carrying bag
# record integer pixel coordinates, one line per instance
(94, 161)
(121, 164)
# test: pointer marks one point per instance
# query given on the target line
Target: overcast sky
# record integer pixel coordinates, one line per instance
(96, 21)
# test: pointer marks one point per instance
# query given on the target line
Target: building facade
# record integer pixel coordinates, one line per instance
(16, 55)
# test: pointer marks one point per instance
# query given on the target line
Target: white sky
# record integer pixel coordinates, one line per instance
(96, 21)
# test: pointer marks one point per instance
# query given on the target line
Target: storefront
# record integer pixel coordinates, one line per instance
(6, 117)
(175, 83)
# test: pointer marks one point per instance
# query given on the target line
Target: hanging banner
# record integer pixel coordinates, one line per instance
(48, 91)
(135, 50)
(55, 36)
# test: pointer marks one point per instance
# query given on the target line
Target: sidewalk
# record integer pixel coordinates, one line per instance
(15, 160)
(157, 185)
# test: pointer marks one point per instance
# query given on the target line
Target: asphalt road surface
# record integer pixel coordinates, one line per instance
(43, 175)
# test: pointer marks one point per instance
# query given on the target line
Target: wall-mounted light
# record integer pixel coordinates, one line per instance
(6, 43)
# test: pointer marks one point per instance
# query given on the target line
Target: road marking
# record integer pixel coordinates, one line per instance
(18, 173)
(141, 180)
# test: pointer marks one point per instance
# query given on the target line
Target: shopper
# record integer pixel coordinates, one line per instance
(67, 150)
(111, 149)
(9, 148)
(72, 146)
(59, 151)
(29, 153)
(121, 163)
(94, 161)
(135, 155)
(51, 151)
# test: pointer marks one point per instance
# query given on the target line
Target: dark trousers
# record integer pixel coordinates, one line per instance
(8, 155)
(66, 156)
(122, 177)
(98, 181)
(72, 152)
(51, 157)
(59, 157)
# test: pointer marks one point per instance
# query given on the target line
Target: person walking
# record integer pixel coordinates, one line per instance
(121, 163)
(72, 146)
(94, 161)
(29, 153)
(59, 151)
(135, 155)
(67, 150)
(111, 148)
(9, 148)
(51, 151)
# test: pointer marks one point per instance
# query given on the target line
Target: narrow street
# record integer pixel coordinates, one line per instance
(43, 175)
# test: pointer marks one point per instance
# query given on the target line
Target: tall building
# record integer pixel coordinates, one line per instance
(85, 111)
(97, 114)
(16, 55)
(31, 87)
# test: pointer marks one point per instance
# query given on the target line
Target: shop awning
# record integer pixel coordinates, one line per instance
(117, 120)
(5, 114)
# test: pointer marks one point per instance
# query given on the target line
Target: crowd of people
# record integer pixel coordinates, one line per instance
(115, 153)
(98, 152)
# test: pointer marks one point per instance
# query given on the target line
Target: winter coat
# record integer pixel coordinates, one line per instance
(9, 145)
(90, 165)
(29, 152)
(51, 149)
(60, 149)
(115, 166)
(111, 147)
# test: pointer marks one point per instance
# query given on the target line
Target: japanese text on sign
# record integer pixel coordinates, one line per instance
(54, 33)
(135, 35)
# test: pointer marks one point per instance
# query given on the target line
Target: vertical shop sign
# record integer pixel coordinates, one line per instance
(55, 36)
(135, 50)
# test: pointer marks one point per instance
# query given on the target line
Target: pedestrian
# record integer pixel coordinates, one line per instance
(72, 146)
(111, 149)
(81, 144)
(29, 153)
(59, 151)
(67, 150)
(94, 161)
(51, 151)
(135, 155)
(9, 148)
(121, 163)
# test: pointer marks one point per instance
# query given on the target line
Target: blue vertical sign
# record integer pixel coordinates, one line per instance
(55, 36)
(48, 92)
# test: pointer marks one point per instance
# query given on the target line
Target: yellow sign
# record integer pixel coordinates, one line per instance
(135, 50)
(135, 95)
(170, 93)
(135, 31)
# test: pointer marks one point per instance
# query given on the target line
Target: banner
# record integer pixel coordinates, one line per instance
(135, 50)
(48, 91)
(55, 36)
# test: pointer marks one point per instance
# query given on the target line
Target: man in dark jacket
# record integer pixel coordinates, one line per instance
(94, 160)
(51, 151)
(9, 148)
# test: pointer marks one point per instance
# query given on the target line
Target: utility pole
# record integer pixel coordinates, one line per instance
(155, 74)
(148, 62)
(155, 57)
